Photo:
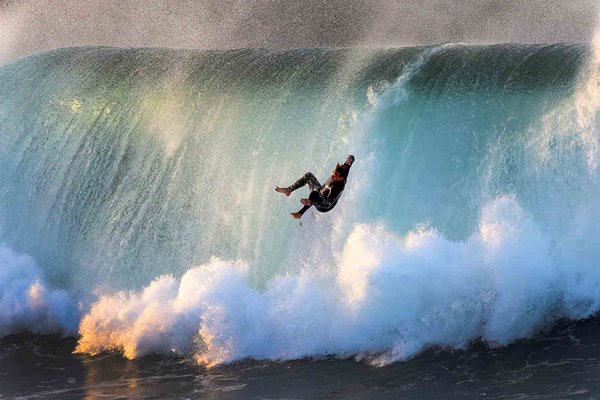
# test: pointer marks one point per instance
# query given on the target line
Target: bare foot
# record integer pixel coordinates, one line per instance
(296, 215)
(285, 191)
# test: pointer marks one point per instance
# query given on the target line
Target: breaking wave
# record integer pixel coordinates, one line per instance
(141, 183)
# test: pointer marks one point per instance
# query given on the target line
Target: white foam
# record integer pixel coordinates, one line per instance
(27, 304)
(387, 299)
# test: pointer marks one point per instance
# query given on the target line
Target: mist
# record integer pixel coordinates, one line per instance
(29, 26)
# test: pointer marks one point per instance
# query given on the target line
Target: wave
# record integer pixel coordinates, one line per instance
(468, 215)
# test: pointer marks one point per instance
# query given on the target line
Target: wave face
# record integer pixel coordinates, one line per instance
(141, 182)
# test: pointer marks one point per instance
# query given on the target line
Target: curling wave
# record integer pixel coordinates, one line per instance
(141, 182)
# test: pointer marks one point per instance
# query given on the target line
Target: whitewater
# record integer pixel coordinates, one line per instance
(137, 210)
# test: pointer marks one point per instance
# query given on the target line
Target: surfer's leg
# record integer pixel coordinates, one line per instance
(283, 190)
(313, 183)
(307, 178)
(313, 196)
(299, 214)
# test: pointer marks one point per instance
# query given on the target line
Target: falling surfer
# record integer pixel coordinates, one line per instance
(323, 197)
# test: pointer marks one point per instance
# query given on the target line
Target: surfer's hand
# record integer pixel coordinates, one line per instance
(306, 202)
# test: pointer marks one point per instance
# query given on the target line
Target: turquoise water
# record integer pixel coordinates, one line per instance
(470, 212)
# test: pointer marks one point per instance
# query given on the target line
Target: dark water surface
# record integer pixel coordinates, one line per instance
(564, 363)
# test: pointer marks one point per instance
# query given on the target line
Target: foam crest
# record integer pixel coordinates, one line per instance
(388, 298)
(27, 304)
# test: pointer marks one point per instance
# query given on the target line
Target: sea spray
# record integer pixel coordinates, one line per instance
(26, 302)
(587, 102)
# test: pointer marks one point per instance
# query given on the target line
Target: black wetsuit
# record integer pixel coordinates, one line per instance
(325, 197)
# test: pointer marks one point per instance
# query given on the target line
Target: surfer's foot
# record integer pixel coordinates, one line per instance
(297, 214)
(285, 191)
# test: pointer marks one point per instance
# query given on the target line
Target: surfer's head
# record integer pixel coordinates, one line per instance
(340, 172)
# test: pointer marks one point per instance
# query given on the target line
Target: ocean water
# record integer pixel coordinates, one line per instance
(560, 364)
(144, 253)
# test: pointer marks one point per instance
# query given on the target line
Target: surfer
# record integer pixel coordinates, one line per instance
(324, 197)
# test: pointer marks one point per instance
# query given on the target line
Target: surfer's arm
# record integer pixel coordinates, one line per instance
(329, 196)
(325, 204)
(324, 199)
